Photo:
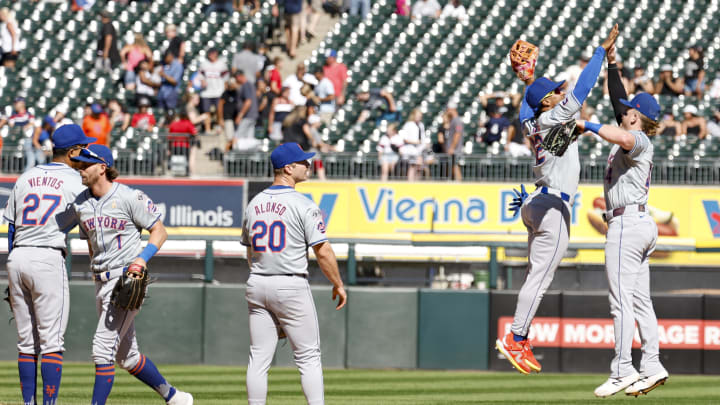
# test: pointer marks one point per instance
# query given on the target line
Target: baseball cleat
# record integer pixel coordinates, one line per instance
(647, 384)
(614, 385)
(181, 398)
(514, 352)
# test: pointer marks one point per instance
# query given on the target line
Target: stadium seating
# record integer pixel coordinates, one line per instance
(426, 63)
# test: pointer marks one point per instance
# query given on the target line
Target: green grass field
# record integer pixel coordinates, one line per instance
(213, 385)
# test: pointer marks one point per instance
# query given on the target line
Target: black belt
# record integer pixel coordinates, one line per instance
(619, 211)
(62, 251)
(280, 274)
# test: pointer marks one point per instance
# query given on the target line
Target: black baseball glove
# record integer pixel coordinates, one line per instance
(131, 287)
(559, 137)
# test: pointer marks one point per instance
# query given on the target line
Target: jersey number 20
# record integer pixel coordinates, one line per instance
(275, 234)
(32, 202)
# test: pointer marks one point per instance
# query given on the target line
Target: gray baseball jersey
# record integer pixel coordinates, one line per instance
(627, 178)
(37, 203)
(280, 224)
(561, 173)
(113, 224)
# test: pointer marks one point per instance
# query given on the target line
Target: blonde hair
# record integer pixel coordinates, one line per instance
(648, 126)
(139, 40)
(8, 15)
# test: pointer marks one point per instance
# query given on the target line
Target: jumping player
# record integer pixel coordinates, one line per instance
(111, 218)
(37, 278)
(279, 226)
(631, 237)
(546, 212)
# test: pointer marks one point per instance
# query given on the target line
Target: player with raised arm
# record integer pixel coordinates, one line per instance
(37, 279)
(111, 217)
(546, 211)
(279, 226)
(631, 237)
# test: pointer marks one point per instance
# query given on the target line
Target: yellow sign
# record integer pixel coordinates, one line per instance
(387, 209)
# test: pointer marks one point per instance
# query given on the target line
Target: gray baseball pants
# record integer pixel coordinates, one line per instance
(631, 239)
(286, 302)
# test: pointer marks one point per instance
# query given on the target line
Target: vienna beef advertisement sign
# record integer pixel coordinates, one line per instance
(597, 333)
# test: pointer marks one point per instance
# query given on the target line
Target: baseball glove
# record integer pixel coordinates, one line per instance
(523, 57)
(559, 137)
(130, 289)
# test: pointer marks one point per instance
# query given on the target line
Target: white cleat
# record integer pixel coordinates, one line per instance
(614, 385)
(647, 384)
(181, 398)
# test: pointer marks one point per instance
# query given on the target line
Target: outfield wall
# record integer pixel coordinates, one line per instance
(398, 328)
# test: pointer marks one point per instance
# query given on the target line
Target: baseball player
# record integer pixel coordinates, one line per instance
(111, 217)
(631, 237)
(279, 226)
(546, 211)
(38, 284)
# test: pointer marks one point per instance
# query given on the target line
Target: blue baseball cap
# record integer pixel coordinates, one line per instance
(95, 153)
(288, 153)
(331, 53)
(646, 104)
(49, 121)
(70, 135)
(539, 89)
(96, 108)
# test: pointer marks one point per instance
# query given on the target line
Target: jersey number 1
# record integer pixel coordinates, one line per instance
(32, 202)
(275, 236)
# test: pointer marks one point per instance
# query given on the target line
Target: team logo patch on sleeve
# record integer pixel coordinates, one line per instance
(321, 226)
(150, 206)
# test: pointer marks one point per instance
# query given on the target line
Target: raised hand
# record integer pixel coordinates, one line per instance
(612, 37)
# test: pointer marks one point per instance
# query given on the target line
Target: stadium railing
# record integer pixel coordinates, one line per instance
(354, 165)
(492, 243)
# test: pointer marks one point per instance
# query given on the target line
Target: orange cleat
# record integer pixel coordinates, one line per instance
(528, 356)
(515, 352)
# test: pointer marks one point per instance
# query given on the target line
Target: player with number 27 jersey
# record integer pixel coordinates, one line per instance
(284, 222)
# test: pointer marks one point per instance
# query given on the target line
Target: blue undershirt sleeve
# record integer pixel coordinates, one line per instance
(589, 75)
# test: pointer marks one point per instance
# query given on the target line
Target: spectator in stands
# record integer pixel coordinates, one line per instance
(668, 126)
(297, 128)
(641, 82)
(517, 145)
(377, 100)
(275, 78)
(143, 119)
(176, 44)
(337, 73)
(695, 72)
(713, 124)
(293, 14)
(171, 76)
(426, 8)
(402, 7)
(108, 55)
(388, 147)
(20, 117)
(247, 61)
(454, 9)
(279, 110)
(694, 124)
(145, 86)
(118, 114)
(130, 56)
(265, 97)
(40, 148)
(453, 140)
(213, 74)
(227, 110)
(192, 106)
(413, 135)
(184, 145)
(667, 85)
(219, 6)
(247, 114)
(317, 145)
(495, 125)
(247, 6)
(360, 7)
(325, 91)
(295, 83)
(97, 124)
(10, 42)
(313, 17)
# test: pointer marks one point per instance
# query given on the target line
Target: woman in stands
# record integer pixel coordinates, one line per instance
(131, 55)
(694, 124)
(9, 37)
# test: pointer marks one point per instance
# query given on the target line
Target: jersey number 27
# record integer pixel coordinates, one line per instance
(33, 202)
(272, 237)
